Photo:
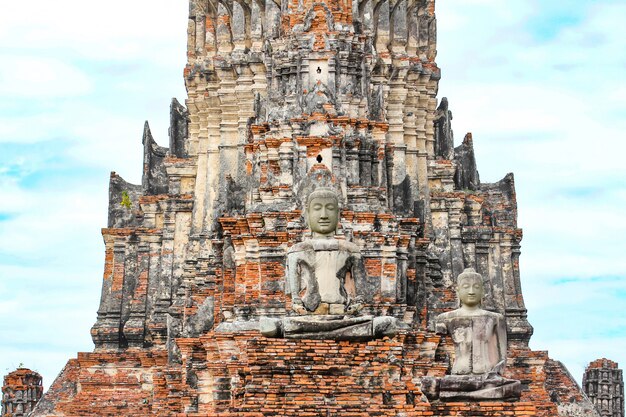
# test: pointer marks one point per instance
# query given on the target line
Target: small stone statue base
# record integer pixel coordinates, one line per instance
(490, 386)
(335, 327)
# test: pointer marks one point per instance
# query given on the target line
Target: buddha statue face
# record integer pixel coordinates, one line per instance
(470, 289)
(323, 212)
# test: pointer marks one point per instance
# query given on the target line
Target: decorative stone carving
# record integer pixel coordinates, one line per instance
(480, 347)
(466, 175)
(318, 99)
(21, 391)
(444, 137)
(323, 276)
(603, 383)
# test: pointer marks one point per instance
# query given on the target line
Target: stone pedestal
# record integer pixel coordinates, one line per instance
(334, 327)
(471, 387)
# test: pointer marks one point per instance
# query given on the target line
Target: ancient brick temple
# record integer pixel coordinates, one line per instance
(21, 391)
(285, 97)
(603, 383)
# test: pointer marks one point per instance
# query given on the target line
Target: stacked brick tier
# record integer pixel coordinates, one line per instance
(284, 97)
(245, 375)
(255, 376)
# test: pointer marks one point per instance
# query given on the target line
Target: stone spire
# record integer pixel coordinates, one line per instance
(286, 97)
(603, 383)
(21, 391)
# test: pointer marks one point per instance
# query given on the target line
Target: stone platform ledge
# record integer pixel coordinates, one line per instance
(485, 409)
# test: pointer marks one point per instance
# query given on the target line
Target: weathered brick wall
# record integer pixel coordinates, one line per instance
(284, 98)
(565, 392)
(63, 389)
(21, 391)
(245, 375)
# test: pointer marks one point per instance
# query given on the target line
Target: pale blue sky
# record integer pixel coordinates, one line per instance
(541, 85)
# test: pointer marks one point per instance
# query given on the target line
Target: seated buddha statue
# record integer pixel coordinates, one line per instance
(480, 347)
(323, 277)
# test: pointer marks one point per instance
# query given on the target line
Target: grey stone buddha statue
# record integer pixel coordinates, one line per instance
(323, 276)
(480, 346)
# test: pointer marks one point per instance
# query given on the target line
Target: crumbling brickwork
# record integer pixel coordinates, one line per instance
(285, 97)
(603, 383)
(21, 391)
(566, 393)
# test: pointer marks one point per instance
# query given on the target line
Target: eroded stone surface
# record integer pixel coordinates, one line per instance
(566, 393)
(603, 382)
(324, 278)
(284, 98)
(21, 391)
(480, 348)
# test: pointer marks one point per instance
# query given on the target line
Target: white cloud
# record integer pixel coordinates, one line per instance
(51, 259)
(30, 77)
(112, 30)
(13, 198)
(31, 234)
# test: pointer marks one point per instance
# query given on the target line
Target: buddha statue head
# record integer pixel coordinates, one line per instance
(470, 289)
(322, 212)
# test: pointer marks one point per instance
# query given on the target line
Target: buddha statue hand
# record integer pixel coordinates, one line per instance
(355, 306)
(354, 309)
(298, 307)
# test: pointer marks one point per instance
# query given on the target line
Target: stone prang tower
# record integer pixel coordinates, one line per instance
(21, 391)
(603, 383)
(284, 98)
